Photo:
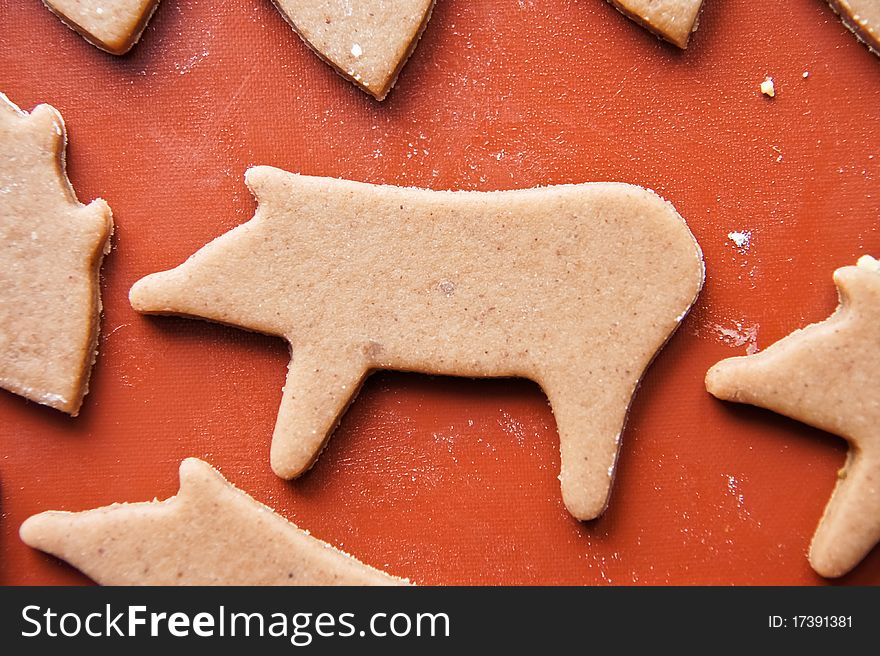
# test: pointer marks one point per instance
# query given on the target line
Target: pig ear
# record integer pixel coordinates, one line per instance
(45, 121)
(268, 183)
(44, 530)
(49, 125)
(857, 285)
(198, 478)
(8, 107)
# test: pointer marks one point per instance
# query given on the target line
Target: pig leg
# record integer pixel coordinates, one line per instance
(316, 394)
(590, 419)
(849, 528)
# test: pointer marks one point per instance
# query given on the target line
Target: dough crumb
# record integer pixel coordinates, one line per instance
(768, 88)
(741, 240)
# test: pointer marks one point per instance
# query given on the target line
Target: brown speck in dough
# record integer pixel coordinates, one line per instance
(373, 350)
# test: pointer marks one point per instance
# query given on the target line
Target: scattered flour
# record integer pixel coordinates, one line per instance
(739, 335)
(741, 239)
(512, 427)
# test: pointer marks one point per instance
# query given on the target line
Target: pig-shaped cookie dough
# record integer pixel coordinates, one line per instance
(51, 249)
(576, 287)
(209, 534)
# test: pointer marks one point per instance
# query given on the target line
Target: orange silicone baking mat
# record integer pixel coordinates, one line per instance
(447, 480)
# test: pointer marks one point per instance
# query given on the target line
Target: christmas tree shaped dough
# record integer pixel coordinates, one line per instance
(367, 42)
(862, 18)
(673, 20)
(826, 375)
(111, 25)
(209, 534)
(575, 287)
(51, 247)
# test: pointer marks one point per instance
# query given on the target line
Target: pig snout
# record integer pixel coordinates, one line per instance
(159, 293)
(726, 378)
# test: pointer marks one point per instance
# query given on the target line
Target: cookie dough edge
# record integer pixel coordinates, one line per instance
(119, 48)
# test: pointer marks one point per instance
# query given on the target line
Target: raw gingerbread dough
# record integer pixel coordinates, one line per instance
(673, 20)
(862, 17)
(825, 375)
(209, 534)
(51, 247)
(576, 287)
(111, 25)
(367, 42)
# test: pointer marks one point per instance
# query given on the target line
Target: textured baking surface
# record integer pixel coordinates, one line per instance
(447, 480)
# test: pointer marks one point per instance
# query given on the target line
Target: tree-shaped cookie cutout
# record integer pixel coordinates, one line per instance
(51, 247)
(576, 287)
(862, 18)
(366, 41)
(111, 25)
(673, 20)
(209, 534)
(827, 375)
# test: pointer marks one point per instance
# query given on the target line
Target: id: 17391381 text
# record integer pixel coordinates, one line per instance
(810, 622)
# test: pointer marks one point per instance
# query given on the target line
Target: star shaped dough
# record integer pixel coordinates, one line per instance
(209, 534)
(111, 25)
(576, 287)
(367, 41)
(51, 248)
(827, 375)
